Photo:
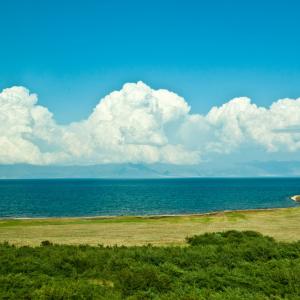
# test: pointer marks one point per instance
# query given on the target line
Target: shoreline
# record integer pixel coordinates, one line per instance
(151, 217)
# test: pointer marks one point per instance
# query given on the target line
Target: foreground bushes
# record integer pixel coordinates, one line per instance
(228, 265)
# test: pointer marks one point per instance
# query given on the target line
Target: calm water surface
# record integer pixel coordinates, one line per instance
(91, 197)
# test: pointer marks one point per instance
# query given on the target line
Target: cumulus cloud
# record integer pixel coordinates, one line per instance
(141, 125)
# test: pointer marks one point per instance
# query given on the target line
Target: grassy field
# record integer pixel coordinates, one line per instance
(282, 224)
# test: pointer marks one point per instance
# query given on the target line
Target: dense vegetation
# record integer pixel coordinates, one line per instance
(230, 265)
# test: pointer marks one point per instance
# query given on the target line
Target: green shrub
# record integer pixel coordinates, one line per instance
(46, 243)
(225, 265)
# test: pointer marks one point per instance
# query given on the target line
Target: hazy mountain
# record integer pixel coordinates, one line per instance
(221, 169)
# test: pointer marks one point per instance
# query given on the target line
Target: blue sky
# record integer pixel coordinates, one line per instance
(74, 52)
(223, 65)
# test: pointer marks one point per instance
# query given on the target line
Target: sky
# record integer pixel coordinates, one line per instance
(74, 53)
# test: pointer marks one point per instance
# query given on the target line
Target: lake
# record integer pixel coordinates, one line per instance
(98, 197)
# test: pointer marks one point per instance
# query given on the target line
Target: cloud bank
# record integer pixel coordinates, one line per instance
(141, 125)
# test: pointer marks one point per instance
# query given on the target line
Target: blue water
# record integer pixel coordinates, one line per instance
(91, 197)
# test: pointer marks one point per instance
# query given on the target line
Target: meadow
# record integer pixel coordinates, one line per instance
(282, 224)
(225, 255)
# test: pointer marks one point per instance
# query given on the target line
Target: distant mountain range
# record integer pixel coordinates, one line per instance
(255, 168)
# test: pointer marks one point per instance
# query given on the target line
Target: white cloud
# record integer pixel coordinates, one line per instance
(139, 124)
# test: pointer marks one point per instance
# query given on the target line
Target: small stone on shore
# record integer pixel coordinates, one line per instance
(296, 198)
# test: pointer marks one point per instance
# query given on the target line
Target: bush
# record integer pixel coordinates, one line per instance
(46, 243)
(224, 265)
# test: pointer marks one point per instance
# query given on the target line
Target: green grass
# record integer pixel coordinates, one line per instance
(236, 216)
(282, 224)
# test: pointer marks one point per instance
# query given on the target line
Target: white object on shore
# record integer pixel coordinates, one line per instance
(296, 198)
